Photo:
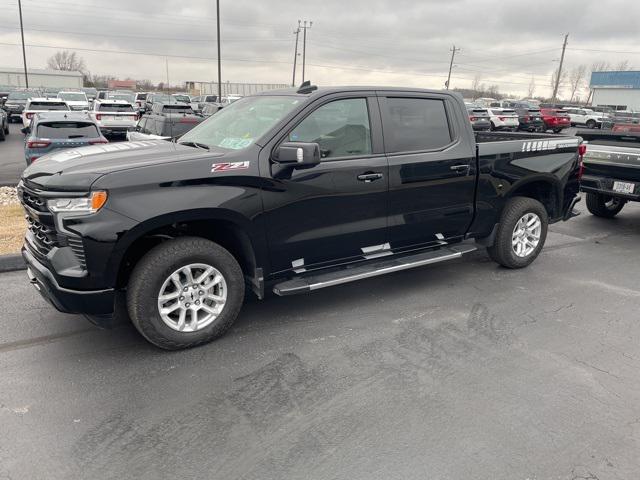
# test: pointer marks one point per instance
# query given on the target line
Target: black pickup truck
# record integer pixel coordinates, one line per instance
(611, 171)
(288, 191)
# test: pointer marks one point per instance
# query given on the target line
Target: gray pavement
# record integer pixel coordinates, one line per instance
(461, 370)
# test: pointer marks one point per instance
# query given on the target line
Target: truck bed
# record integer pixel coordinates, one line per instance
(492, 143)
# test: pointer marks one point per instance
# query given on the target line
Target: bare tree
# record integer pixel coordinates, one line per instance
(600, 66)
(66, 60)
(532, 88)
(576, 79)
(623, 66)
(493, 91)
(475, 84)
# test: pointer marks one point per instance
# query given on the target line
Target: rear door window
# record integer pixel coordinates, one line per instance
(415, 124)
(177, 109)
(67, 130)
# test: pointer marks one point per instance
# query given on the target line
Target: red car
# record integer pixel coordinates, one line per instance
(555, 119)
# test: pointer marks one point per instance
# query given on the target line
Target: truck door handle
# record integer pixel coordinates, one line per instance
(369, 177)
(459, 168)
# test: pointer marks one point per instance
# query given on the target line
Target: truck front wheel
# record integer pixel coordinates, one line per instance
(603, 205)
(185, 292)
(521, 234)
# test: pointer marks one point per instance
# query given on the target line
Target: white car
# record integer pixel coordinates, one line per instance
(114, 116)
(586, 117)
(75, 100)
(230, 98)
(38, 105)
(503, 118)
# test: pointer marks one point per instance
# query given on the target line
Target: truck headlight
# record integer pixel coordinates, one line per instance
(88, 205)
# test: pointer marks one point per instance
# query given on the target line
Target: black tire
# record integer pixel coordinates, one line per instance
(2, 134)
(156, 266)
(492, 127)
(502, 251)
(557, 130)
(591, 124)
(604, 206)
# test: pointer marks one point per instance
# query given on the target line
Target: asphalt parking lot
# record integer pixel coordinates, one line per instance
(461, 370)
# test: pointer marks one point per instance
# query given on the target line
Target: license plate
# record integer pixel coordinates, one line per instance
(624, 187)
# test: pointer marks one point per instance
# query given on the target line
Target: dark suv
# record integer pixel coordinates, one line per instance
(166, 120)
(530, 119)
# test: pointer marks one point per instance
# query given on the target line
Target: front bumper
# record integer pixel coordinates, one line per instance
(88, 302)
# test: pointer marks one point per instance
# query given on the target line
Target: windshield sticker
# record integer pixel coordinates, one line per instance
(235, 143)
(226, 167)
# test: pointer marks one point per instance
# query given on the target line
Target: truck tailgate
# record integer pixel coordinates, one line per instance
(614, 163)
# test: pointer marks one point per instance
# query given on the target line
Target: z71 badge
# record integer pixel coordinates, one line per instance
(225, 167)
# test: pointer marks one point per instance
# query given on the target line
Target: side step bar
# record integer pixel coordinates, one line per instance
(360, 272)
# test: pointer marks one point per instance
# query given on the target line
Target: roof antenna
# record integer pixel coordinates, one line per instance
(306, 87)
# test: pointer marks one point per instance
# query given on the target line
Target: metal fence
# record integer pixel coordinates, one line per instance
(202, 88)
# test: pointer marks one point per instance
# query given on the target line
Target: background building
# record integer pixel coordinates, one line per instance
(14, 77)
(121, 84)
(620, 90)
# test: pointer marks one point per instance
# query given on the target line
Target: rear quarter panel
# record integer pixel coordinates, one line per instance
(506, 166)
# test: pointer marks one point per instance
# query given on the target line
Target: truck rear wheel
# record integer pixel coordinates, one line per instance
(521, 234)
(185, 292)
(603, 205)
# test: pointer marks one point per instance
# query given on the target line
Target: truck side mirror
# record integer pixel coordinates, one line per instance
(297, 154)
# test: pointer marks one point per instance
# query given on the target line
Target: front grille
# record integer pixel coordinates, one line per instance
(40, 223)
(44, 237)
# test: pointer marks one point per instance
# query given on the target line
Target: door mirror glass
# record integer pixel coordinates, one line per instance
(297, 154)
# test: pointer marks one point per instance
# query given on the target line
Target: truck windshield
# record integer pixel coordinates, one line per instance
(240, 124)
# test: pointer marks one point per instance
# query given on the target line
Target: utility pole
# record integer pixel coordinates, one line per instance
(295, 55)
(24, 54)
(304, 45)
(453, 56)
(219, 62)
(166, 65)
(559, 74)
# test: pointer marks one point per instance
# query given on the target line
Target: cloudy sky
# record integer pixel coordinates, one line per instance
(363, 42)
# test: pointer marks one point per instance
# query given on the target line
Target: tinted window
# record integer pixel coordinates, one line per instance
(211, 98)
(67, 130)
(110, 107)
(177, 109)
(416, 124)
(48, 106)
(176, 129)
(182, 98)
(141, 96)
(341, 128)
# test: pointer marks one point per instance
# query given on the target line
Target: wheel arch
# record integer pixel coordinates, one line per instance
(229, 229)
(545, 189)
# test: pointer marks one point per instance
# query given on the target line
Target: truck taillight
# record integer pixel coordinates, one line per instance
(29, 115)
(38, 143)
(582, 150)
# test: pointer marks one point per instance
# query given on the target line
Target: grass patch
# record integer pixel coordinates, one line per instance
(12, 228)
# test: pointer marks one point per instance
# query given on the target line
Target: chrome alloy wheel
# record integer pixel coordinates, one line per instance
(192, 297)
(526, 235)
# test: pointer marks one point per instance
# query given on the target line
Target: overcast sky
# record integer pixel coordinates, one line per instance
(361, 42)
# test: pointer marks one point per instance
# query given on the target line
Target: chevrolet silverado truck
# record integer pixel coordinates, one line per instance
(611, 171)
(288, 192)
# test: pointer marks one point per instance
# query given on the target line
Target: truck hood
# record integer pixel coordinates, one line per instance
(78, 168)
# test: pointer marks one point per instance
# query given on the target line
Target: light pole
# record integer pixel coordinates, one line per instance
(219, 62)
(24, 54)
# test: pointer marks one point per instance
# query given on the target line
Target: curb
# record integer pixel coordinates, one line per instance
(11, 263)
